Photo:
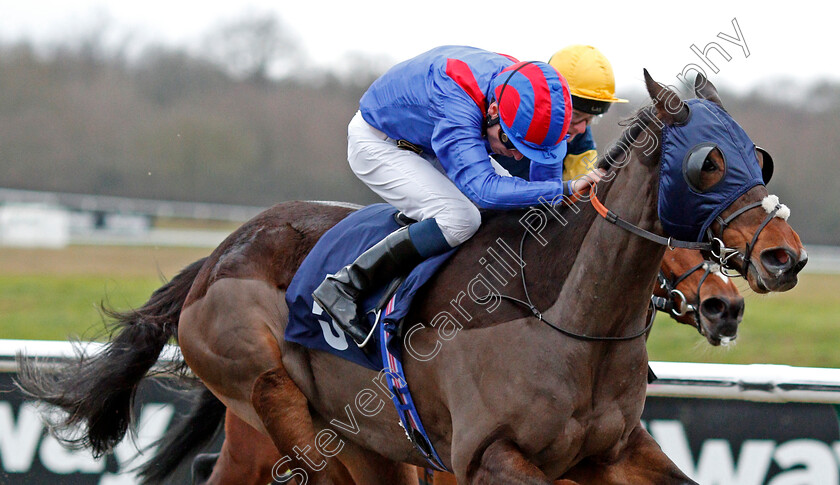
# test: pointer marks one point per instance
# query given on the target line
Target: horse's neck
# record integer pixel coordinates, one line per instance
(607, 289)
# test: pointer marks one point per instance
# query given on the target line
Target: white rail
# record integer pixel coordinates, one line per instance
(753, 382)
(52, 351)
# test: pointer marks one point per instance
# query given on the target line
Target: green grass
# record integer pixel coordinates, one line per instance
(42, 307)
(51, 294)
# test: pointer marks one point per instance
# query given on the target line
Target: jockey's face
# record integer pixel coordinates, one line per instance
(580, 121)
(496, 145)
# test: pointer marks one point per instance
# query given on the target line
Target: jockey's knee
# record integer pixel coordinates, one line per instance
(459, 224)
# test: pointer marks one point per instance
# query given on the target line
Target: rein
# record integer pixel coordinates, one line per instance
(530, 305)
(670, 242)
(716, 247)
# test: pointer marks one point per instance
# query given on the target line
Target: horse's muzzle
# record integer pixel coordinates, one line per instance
(720, 316)
(779, 270)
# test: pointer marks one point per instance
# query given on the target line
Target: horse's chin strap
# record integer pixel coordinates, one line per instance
(676, 302)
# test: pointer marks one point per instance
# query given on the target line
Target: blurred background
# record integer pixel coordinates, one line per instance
(134, 138)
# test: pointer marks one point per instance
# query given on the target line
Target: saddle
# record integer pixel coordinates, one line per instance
(311, 327)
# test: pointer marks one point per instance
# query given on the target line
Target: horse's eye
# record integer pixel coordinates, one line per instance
(703, 167)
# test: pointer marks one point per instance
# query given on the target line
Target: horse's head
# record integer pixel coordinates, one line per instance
(712, 187)
(696, 293)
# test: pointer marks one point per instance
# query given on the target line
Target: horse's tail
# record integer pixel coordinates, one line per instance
(97, 391)
(185, 439)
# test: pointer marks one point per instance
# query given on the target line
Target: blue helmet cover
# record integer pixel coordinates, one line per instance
(685, 212)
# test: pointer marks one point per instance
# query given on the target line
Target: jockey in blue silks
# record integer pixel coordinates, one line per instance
(422, 140)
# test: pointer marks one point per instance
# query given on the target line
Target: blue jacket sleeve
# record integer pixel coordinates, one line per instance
(462, 152)
(540, 171)
(458, 143)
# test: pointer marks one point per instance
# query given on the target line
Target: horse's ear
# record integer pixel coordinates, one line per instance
(669, 106)
(704, 89)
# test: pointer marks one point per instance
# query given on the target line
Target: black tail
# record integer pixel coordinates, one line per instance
(182, 441)
(97, 391)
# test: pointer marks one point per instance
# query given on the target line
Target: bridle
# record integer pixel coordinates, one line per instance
(725, 253)
(676, 303)
(714, 245)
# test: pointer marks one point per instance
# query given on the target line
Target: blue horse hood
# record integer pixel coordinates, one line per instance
(685, 212)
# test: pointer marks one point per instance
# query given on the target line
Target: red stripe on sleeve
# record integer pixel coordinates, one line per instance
(515, 60)
(460, 72)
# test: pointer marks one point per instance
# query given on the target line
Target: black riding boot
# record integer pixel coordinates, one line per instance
(339, 293)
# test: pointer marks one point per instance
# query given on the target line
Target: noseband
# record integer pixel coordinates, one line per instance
(725, 253)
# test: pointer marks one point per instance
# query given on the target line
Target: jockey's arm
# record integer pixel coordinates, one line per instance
(467, 163)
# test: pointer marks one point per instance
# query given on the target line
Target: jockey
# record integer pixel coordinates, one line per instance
(592, 86)
(422, 140)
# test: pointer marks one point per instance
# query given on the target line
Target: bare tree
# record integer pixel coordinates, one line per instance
(255, 46)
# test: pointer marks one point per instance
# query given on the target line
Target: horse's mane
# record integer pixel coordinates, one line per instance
(635, 124)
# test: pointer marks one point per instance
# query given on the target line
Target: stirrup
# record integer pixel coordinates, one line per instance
(390, 291)
(372, 331)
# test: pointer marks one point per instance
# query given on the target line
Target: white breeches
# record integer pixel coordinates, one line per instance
(414, 184)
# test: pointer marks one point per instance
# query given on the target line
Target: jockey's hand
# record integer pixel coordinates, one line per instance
(583, 184)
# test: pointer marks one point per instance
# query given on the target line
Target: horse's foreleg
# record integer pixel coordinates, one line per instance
(442, 478)
(284, 411)
(640, 462)
(502, 462)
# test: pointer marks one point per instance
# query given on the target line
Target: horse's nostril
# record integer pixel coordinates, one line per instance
(728, 330)
(713, 307)
(778, 260)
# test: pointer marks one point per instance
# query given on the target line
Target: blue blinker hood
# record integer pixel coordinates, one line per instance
(684, 211)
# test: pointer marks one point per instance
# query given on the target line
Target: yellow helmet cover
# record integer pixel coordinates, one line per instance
(590, 77)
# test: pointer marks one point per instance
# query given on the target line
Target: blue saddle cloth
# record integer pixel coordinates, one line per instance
(310, 326)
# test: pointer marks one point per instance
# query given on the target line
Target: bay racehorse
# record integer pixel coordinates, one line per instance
(508, 394)
(690, 290)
